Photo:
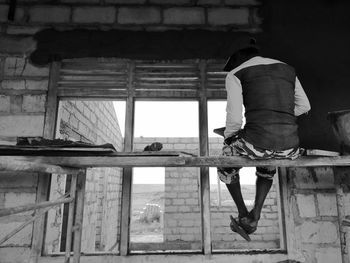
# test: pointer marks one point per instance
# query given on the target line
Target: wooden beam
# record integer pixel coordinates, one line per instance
(79, 215)
(11, 163)
(204, 171)
(127, 172)
(39, 225)
(80, 162)
(29, 207)
(52, 101)
(73, 187)
(338, 174)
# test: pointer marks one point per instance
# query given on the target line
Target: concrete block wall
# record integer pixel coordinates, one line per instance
(182, 210)
(153, 15)
(94, 122)
(314, 212)
(23, 89)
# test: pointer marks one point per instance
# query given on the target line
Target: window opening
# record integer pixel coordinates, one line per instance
(97, 122)
(268, 235)
(165, 201)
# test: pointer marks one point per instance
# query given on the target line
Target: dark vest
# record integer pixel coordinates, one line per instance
(268, 98)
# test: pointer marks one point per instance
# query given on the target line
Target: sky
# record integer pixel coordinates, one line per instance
(174, 119)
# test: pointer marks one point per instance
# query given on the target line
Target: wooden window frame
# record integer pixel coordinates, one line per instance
(202, 95)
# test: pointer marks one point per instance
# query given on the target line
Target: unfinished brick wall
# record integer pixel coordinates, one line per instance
(314, 213)
(22, 110)
(182, 210)
(93, 122)
(140, 14)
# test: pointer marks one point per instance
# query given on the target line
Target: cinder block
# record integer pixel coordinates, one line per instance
(32, 71)
(170, 2)
(209, 2)
(129, 2)
(319, 232)
(184, 16)
(17, 180)
(22, 30)
(16, 104)
(14, 66)
(313, 177)
(49, 14)
(102, 15)
(328, 254)
(22, 125)
(13, 84)
(4, 103)
(17, 199)
(228, 16)
(146, 15)
(306, 205)
(327, 204)
(80, 1)
(34, 103)
(242, 2)
(37, 84)
(179, 201)
(4, 9)
(22, 238)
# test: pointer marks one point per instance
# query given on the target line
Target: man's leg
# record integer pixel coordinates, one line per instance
(235, 190)
(263, 185)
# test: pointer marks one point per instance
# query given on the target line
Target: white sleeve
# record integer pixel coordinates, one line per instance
(302, 104)
(234, 105)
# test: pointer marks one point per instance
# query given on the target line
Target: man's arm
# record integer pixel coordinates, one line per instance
(302, 104)
(234, 105)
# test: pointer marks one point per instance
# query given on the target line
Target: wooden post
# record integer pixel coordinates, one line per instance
(39, 224)
(70, 218)
(79, 214)
(52, 101)
(204, 171)
(44, 179)
(127, 172)
(338, 174)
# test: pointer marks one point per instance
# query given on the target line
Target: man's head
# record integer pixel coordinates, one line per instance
(244, 49)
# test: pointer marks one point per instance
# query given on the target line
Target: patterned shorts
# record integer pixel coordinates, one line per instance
(240, 147)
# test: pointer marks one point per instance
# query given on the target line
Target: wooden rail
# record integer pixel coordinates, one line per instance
(127, 161)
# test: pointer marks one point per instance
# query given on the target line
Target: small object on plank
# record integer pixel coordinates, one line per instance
(154, 147)
(220, 131)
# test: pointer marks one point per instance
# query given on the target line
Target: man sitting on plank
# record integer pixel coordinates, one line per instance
(272, 97)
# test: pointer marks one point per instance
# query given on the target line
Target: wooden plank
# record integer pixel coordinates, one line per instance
(280, 184)
(73, 188)
(204, 171)
(170, 161)
(52, 101)
(39, 224)
(79, 215)
(149, 93)
(29, 207)
(11, 163)
(127, 173)
(339, 172)
(92, 93)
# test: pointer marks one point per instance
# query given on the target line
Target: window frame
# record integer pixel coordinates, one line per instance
(203, 94)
